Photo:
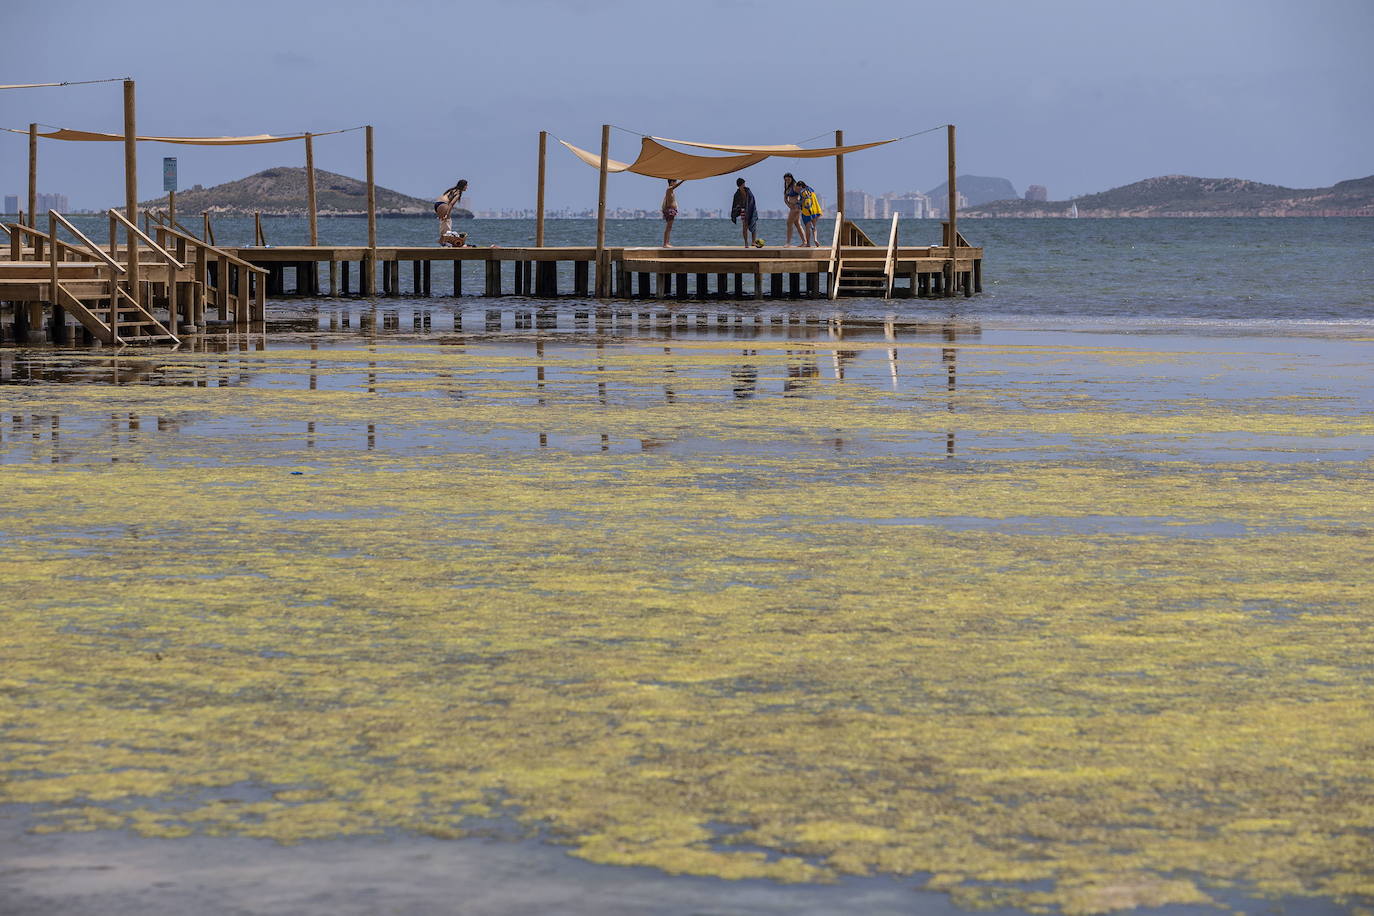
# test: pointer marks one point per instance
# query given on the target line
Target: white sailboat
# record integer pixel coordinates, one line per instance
(1073, 211)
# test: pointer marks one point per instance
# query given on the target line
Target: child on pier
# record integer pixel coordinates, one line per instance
(444, 204)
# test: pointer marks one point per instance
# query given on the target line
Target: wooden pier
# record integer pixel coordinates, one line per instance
(165, 281)
(852, 266)
(633, 273)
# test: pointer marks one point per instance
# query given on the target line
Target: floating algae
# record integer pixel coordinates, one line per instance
(791, 662)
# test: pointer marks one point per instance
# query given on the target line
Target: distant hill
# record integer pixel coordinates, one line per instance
(976, 188)
(1183, 195)
(281, 192)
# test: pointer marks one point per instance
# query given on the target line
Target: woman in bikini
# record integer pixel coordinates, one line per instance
(792, 197)
(444, 204)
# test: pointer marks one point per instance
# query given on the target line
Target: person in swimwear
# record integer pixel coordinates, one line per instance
(792, 198)
(810, 214)
(444, 204)
(670, 209)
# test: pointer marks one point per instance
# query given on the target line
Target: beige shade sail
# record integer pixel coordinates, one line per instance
(658, 161)
(594, 159)
(63, 133)
(788, 151)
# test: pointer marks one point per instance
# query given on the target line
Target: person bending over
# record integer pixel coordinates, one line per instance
(444, 204)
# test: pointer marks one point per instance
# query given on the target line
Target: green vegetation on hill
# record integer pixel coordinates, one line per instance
(281, 192)
(1184, 195)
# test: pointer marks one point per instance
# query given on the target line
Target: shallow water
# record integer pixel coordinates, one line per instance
(1033, 610)
(1135, 270)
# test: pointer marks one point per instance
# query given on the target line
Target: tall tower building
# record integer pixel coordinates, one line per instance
(1037, 192)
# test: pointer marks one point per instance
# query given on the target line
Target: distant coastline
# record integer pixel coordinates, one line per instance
(281, 192)
(1183, 196)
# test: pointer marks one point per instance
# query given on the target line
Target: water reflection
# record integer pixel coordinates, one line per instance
(539, 351)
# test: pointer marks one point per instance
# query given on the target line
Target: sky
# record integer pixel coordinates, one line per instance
(1074, 95)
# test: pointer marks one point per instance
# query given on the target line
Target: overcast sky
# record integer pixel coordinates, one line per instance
(1077, 95)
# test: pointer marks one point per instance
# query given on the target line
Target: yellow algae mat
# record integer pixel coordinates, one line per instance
(1115, 652)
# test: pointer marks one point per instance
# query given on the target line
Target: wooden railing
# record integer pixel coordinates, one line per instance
(113, 270)
(890, 261)
(834, 280)
(203, 252)
(40, 238)
(162, 218)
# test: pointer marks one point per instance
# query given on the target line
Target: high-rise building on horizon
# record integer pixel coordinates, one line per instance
(48, 202)
(1037, 192)
(910, 204)
(11, 203)
(858, 205)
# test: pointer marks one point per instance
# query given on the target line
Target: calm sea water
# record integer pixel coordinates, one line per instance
(1136, 272)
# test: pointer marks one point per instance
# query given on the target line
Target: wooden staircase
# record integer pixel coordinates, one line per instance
(861, 274)
(92, 286)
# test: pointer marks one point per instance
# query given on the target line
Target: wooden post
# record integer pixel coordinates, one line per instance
(539, 204)
(839, 174)
(951, 280)
(370, 272)
(52, 267)
(310, 188)
(172, 208)
(33, 176)
(207, 235)
(601, 213)
(258, 237)
(131, 188)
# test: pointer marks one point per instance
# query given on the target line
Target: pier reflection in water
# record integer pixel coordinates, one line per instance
(536, 358)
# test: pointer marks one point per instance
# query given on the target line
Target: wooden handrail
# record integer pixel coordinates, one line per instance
(219, 252)
(40, 234)
(890, 262)
(835, 255)
(167, 222)
(133, 227)
(94, 248)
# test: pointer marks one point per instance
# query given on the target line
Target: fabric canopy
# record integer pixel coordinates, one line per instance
(62, 133)
(659, 161)
(787, 150)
